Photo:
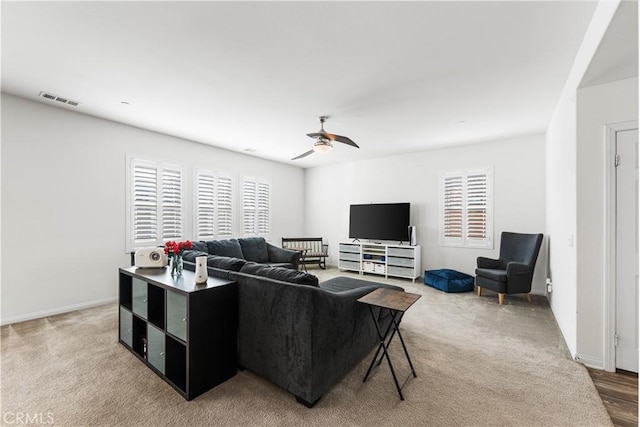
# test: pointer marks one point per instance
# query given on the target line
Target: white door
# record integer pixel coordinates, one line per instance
(627, 250)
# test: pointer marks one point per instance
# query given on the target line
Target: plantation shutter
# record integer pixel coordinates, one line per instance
(453, 208)
(224, 198)
(466, 209)
(249, 207)
(171, 206)
(263, 209)
(477, 205)
(205, 205)
(144, 204)
(256, 200)
(155, 206)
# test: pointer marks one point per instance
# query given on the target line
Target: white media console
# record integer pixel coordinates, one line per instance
(377, 258)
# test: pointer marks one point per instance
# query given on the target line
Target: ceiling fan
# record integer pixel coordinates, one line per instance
(324, 140)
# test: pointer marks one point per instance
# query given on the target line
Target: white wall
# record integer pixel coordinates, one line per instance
(63, 202)
(596, 106)
(561, 184)
(519, 196)
(561, 217)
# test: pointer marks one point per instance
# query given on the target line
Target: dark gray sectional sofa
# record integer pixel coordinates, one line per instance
(299, 334)
(255, 249)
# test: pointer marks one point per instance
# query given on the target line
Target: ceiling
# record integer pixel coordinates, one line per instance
(396, 77)
(617, 55)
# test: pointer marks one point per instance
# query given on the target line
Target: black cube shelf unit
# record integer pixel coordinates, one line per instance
(186, 333)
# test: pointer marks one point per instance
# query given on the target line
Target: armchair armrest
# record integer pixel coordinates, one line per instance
(489, 263)
(518, 268)
(277, 254)
(519, 276)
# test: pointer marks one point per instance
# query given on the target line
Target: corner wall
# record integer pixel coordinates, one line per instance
(63, 202)
(519, 197)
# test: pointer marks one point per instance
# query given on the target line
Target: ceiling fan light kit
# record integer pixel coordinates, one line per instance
(324, 141)
(322, 147)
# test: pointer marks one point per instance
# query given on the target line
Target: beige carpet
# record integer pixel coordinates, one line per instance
(478, 364)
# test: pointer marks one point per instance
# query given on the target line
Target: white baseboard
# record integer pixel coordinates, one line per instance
(54, 311)
(590, 362)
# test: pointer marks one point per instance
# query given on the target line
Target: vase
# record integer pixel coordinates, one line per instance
(176, 266)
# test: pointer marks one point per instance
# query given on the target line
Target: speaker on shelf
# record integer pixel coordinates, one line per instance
(412, 235)
(150, 258)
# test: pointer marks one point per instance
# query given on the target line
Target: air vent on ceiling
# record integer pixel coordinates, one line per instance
(59, 99)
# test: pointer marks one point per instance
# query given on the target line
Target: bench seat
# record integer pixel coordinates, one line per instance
(312, 250)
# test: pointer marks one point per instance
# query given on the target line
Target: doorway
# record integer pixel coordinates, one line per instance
(621, 347)
(626, 337)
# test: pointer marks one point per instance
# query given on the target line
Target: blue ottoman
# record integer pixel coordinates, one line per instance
(448, 280)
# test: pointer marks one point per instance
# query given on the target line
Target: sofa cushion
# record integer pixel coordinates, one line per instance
(228, 247)
(279, 273)
(190, 255)
(493, 274)
(254, 249)
(341, 284)
(225, 262)
(199, 245)
(279, 264)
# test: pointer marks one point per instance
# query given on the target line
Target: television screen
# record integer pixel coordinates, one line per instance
(384, 221)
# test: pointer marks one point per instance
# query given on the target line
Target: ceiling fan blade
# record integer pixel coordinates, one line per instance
(333, 137)
(322, 135)
(344, 140)
(303, 155)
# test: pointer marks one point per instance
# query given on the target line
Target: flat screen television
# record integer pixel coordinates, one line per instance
(382, 221)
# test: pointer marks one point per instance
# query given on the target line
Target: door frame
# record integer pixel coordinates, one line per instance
(610, 240)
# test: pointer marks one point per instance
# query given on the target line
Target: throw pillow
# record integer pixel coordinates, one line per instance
(199, 245)
(279, 273)
(225, 263)
(190, 255)
(229, 248)
(254, 249)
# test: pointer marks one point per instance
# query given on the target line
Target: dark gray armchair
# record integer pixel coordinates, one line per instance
(512, 273)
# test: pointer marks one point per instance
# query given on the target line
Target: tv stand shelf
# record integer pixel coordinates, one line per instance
(378, 258)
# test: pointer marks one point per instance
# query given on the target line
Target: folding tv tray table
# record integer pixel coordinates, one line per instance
(397, 302)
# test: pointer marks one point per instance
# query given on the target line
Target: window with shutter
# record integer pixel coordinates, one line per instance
(155, 203)
(171, 203)
(255, 208)
(205, 205)
(249, 208)
(263, 209)
(465, 209)
(144, 204)
(224, 199)
(453, 212)
(214, 205)
(476, 207)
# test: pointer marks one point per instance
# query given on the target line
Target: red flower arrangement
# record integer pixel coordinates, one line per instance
(174, 252)
(172, 248)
